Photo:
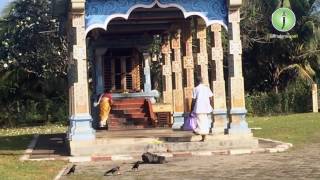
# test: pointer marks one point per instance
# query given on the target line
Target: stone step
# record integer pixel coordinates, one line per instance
(129, 116)
(129, 100)
(126, 106)
(164, 143)
(128, 111)
(118, 127)
(129, 121)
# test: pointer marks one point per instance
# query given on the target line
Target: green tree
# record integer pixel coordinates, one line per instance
(32, 63)
(270, 64)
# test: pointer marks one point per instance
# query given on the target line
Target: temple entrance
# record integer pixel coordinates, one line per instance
(177, 34)
(122, 71)
(157, 45)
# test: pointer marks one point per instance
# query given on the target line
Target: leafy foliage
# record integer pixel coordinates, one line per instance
(295, 99)
(270, 64)
(32, 64)
(29, 41)
(33, 60)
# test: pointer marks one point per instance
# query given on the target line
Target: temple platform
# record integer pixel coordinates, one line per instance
(123, 142)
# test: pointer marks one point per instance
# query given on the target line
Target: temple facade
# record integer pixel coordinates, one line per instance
(111, 41)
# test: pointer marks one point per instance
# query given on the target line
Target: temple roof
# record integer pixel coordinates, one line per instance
(100, 12)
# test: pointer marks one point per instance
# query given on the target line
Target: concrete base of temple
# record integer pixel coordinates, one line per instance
(178, 120)
(80, 128)
(220, 125)
(238, 123)
(157, 141)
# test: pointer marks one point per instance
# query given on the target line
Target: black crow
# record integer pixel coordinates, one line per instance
(136, 165)
(113, 170)
(72, 169)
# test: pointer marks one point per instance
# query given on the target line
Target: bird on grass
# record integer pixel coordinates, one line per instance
(136, 165)
(72, 169)
(113, 170)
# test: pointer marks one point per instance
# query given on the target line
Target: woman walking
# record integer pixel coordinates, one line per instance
(105, 102)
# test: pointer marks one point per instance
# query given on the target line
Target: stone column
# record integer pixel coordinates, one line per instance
(188, 65)
(218, 84)
(147, 73)
(315, 100)
(99, 71)
(202, 56)
(178, 100)
(80, 119)
(177, 69)
(236, 105)
(166, 70)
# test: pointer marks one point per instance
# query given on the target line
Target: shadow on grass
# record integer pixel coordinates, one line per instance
(14, 145)
(47, 145)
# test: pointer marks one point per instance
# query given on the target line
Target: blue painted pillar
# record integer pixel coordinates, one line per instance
(147, 72)
(99, 84)
(99, 69)
(80, 128)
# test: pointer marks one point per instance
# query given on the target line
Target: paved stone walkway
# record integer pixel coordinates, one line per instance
(50, 146)
(302, 163)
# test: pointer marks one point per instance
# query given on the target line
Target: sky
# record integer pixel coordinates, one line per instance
(3, 4)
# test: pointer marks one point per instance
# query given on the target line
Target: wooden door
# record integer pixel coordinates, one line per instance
(118, 85)
(118, 72)
(128, 73)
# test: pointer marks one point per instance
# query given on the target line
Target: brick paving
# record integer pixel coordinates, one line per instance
(302, 163)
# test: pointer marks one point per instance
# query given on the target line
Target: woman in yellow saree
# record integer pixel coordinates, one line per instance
(105, 102)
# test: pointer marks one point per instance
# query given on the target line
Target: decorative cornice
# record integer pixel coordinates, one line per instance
(100, 12)
(78, 5)
(235, 4)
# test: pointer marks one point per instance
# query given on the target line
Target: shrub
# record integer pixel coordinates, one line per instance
(296, 98)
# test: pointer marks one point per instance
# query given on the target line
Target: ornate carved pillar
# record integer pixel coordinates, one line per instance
(177, 70)
(236, 105)
(202, 56)
(188, 65)
(178, 100)
(218, 84)
(147, 73)
(80, 119)
(166, 71)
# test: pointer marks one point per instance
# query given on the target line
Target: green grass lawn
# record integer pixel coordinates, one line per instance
(299, 129)
(13, 143)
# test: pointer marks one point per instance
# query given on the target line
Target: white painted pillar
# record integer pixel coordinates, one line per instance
(237, 109)
(147, 72)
